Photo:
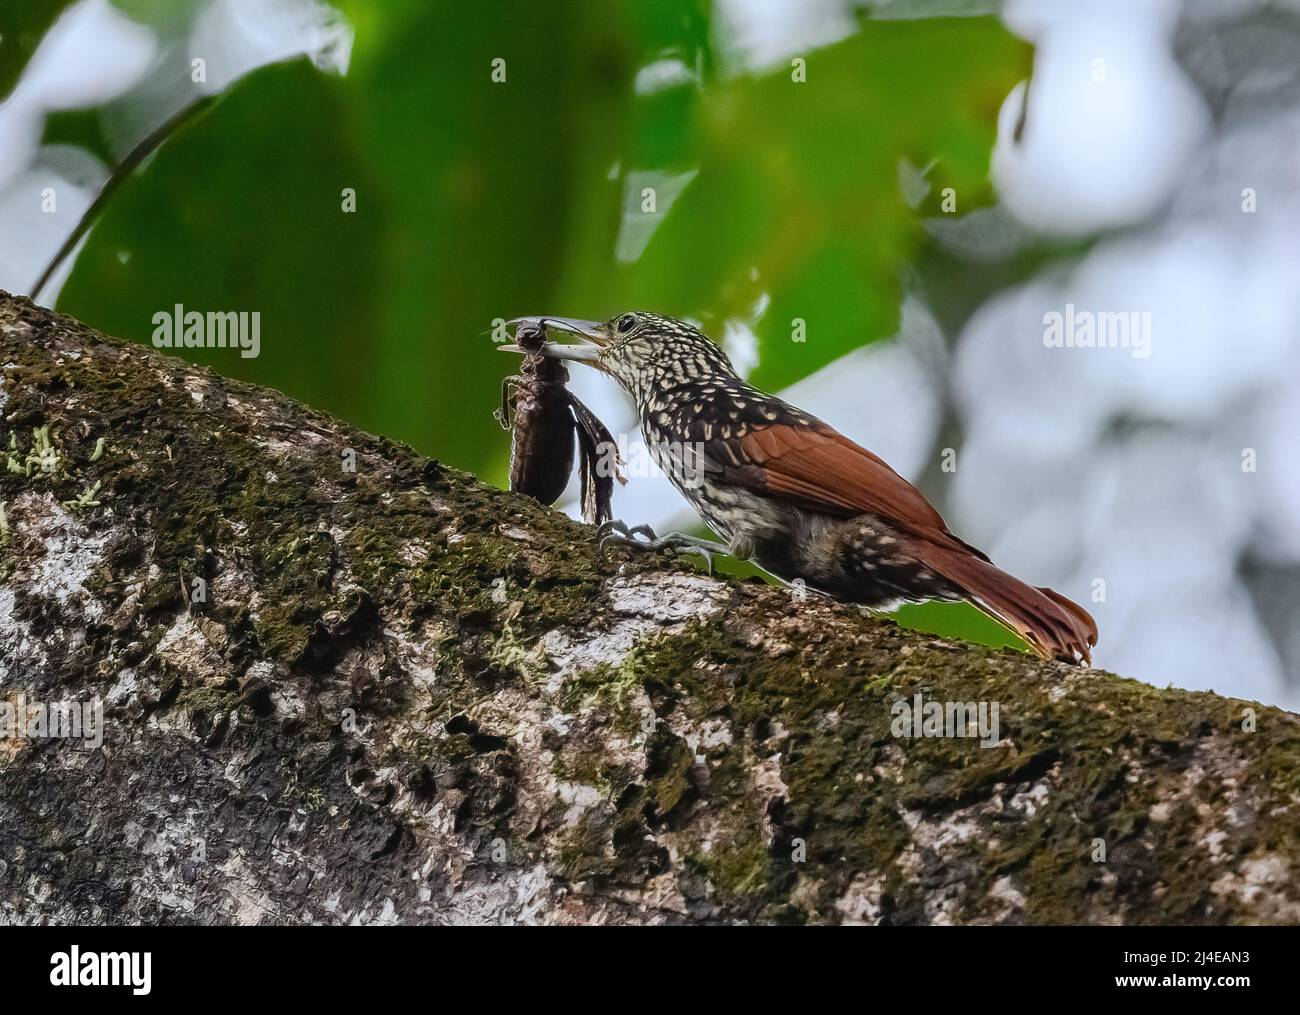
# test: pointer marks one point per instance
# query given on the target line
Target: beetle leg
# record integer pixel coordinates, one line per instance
(597, 434)
(503, 414)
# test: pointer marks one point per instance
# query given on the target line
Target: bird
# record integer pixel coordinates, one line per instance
(787, 491)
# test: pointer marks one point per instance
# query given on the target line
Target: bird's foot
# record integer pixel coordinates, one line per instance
(642, 537)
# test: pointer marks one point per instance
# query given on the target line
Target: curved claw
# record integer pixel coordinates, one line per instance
(689, 548)
(600, 547)
(611, 531)
(616, 531)
(612, 526)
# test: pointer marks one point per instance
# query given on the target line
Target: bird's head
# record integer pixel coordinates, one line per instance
(644, 352)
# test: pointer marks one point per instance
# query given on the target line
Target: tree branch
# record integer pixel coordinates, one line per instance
(398, 695)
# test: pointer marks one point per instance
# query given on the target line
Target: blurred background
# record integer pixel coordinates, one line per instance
(877, 207)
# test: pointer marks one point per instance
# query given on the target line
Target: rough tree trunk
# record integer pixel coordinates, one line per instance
(409, 697)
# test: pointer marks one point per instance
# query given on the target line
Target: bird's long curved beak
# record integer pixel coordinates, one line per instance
(591, 331)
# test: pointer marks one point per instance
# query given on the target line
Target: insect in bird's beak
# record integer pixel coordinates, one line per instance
(591, 331)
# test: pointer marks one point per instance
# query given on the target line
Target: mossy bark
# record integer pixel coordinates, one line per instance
(404, 696)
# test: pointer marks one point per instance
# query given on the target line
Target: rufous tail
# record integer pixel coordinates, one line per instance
(1050, 624)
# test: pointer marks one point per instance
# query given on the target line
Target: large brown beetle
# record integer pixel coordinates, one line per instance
(546, 419)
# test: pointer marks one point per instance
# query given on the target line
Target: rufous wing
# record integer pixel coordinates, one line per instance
(820, 469)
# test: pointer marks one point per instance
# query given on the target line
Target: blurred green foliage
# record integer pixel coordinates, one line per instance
(478, 200)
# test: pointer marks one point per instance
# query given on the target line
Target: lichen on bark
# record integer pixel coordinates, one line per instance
(404, 696)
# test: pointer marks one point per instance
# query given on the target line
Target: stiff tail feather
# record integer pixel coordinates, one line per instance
(1051, 625)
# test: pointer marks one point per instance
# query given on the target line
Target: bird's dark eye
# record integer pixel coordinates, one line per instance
(626, 323)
